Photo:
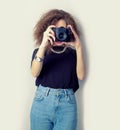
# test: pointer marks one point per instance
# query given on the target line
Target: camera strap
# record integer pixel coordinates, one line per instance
(58, 52)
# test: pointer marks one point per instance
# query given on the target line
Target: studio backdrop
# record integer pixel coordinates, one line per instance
(98, 96)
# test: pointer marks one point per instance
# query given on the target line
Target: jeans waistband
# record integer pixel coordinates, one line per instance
(48, 90)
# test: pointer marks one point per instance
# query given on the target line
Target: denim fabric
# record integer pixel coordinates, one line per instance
(53, 109)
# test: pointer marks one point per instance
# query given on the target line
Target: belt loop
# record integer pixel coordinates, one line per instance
(47, 91)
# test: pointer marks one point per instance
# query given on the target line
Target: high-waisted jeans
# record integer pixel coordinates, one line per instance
(53, 109)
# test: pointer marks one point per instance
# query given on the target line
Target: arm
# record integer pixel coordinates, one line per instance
(80, 69)
(36, 66)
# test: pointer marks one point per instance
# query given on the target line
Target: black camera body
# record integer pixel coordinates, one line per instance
(63, 34)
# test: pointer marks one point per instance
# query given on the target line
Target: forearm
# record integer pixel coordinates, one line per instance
(80, 68)
(36, 66)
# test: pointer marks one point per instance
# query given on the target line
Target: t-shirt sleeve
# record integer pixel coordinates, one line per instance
(33, 54)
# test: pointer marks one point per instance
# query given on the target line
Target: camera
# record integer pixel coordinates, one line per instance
(63, 34)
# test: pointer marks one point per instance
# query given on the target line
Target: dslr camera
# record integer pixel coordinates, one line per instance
(63, 34)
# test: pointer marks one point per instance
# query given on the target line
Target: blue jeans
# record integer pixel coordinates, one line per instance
(53, 109)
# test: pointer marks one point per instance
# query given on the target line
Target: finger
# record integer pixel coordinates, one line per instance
(49, 39)
(51, 26)
(51, 36)
(51, 31)
(73, 31)
(71, 45)
(68, 43)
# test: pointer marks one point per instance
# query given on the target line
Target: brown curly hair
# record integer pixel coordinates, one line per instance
(51, 18)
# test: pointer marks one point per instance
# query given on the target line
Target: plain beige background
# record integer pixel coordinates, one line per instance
(98, 97)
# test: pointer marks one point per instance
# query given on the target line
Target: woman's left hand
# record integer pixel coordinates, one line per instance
(77, 43)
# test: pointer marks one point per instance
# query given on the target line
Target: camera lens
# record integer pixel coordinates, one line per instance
(62, 36)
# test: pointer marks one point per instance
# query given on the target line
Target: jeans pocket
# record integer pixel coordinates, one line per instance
(71, 99)
(38, 96)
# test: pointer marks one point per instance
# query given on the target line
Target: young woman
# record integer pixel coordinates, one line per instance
(57, 64)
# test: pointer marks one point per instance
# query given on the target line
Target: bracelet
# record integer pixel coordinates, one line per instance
(38, 59)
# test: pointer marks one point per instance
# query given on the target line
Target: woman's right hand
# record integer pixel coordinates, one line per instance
(48, 36)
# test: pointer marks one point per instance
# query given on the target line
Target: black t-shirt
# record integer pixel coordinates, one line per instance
(58, 70)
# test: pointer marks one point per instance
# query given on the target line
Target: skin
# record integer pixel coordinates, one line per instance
(37, 66)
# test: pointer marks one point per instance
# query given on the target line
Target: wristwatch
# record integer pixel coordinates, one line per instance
(38, 59)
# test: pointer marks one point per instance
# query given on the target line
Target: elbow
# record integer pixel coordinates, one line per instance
(34, 74)
(81, 76)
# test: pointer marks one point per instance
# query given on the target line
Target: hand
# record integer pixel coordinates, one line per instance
(48, 36)
(77, 42)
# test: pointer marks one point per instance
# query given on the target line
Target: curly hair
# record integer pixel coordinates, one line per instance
(51, 18)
